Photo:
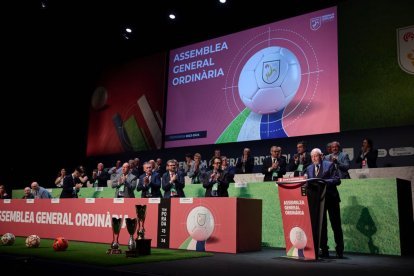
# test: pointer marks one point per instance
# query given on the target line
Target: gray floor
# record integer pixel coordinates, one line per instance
(266, 262)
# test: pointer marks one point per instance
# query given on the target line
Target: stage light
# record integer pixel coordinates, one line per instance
(172, 16)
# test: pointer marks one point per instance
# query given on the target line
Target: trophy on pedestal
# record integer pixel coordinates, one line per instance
(131, 225)
(116, 228)
(141, 213)
(143, 244)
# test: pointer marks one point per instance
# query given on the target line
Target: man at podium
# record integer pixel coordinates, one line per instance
(326, 170)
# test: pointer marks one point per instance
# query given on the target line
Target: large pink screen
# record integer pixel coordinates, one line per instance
(277, 80)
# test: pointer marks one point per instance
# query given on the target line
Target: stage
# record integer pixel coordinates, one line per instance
(264, 262)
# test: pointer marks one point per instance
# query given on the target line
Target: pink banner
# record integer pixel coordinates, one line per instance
(203, 224)
(296, 219)
(74, 219)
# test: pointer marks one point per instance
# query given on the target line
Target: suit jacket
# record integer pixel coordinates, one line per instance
(248, 165)
(307, 160)
(371, 157)
(194, 174)
(267, 163)
(327, 172)
(153, 188)
(342, 164)
(129, 185)
(223, 183)
(42, 193)
(68, 190)
(103, 178)
(179, 184)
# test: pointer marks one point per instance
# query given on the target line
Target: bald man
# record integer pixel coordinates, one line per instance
(39, 192)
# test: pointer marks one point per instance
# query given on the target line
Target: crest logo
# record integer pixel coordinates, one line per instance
(315, 23)
(405, 48)
(271, 71)
(201, 219)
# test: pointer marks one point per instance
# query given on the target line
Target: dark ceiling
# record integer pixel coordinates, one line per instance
(53, 56)
(95, 28)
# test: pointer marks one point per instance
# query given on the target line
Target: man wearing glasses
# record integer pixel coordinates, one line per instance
(216, 181)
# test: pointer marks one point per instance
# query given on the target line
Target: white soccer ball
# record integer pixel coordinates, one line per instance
(269, 80)
(8, 239)
(200, 223)
(298, 237)
(33, 241)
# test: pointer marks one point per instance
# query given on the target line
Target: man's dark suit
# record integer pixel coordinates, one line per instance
(153, 188)
(223, 183)
(267, 163)
(69, 183)
(306, 161)
(248, 165)
(102, 178)
(179, 184)
(328, 172)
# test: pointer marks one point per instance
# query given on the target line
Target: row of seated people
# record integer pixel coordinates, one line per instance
(193, 167)
(275, 166)
(215, 181)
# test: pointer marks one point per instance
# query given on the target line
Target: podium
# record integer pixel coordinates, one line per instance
(302, 203)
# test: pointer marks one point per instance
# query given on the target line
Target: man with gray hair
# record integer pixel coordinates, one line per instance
(326, 170)
(125, 183)
(340, 160)
(39, 192)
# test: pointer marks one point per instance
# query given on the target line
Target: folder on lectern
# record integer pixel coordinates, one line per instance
(301, 203)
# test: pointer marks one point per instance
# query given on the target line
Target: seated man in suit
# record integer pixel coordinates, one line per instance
(27, 193)
(39, 192)
(326, 170)
(149, 182)
(274, 167)
(216, 181)
(125, 183)
(173, 181)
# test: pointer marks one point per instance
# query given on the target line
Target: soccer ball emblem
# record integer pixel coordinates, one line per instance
(298, 238)
(269, 80)
(8, 239)
(200, 223)
(33, 241)
(60, 244)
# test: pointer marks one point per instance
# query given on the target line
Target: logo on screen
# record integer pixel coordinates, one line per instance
(315, 23)
(270, 71)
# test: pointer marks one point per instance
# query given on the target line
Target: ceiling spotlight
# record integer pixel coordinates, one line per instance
(172, 16)
(222, 1)
(128, 30)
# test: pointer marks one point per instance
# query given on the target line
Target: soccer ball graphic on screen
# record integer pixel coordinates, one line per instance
(200, 223)
(298, 237)
(33, 241)
(269, 80)
(8, 239)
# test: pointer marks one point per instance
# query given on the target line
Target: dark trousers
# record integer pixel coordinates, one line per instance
(334, 212)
